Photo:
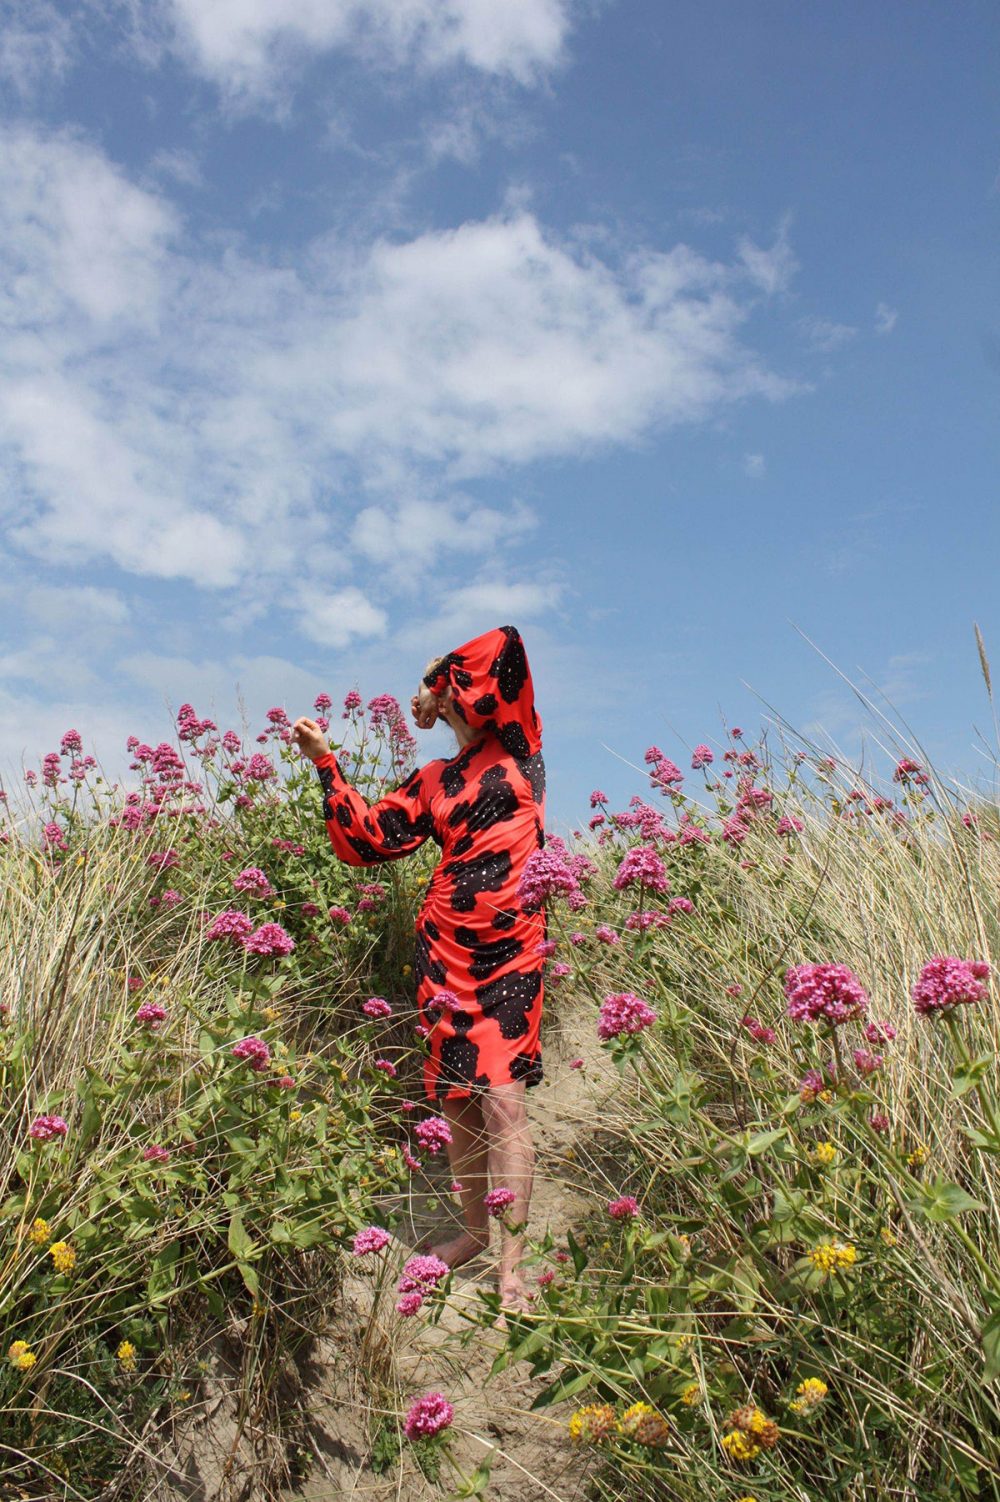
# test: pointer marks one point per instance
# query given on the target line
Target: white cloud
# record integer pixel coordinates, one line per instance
(335, 619)
(179, 165)
(823, 334)
(36, 44)
(885, 318)
(192, 412)
(79, 606)
(772, 269)
(251, 48)
(754, 465)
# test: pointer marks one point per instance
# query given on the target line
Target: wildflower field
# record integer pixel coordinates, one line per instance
(781, 1277)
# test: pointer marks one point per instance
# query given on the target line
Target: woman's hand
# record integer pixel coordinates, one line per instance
(309, 738)
(424, 706)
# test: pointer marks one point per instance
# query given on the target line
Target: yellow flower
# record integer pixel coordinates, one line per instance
(277, 902)
(258, 1310)
(63, 1256)
(825, 1153)
(919, 1156)
(183, 1397)
(738, 1446)
(421, 881)
(647, 1427)
(271, 1014)
(593, 1423)
(889, 1236)
(39, 1233)
(811, 1393)
(825, 1096)
(407, 969)
(832, 1256)
(691, 1394)
(21, 1356)
(746, 1499)
(126, 1356)
(295, 1115)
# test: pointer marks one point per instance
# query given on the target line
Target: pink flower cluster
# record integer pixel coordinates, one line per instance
(824, 993)
(545, 874)
(701, 756)
(420, 1276)
(946, 982)
(444, 1001)
(428, 1416)
(606, 934)
(254, 882)
(269, 939)
(498, 1200)
(433, 1133)
(377, 1006)
(757, 1030)
(371, 1239)
(155, 1154)
(152, 1013)
(624, 1208)
(623, 1012)
(644, 866)
(45, 1128)
(255, 1051)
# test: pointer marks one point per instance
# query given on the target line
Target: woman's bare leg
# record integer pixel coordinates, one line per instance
(467, 1156)
(511, 1157)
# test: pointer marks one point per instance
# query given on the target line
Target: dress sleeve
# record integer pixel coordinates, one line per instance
(492, 688)
(368, 834)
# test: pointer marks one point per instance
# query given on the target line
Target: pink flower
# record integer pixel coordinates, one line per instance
(309, 910)
(577, 939)
(339, 915)
(905, 770)
(44, 1128)
(71, 741)
(153, 1013)
(735, 989)
(824, 993)
(561, 1256)
(787, 824)
(879, 1032)
(814, 1082)
(377, 1006)
(734, 831)
(259, 768)
(255, 1051)
(444, 1001)
(701, 756)
(641, 864)
(155, 1154)
(606, 934)
(269, 939)
(170, 898)
(680, 905)
(597, 797)
(544, 1279)
(53, 835)
(352, 702)
(455, 1187)
(230, 925)
(407, 1105)
(371, 1239)
(559, 971)
(135, 983)
(879, 1122)
(387, 1067)
(624, 1012)
(625, 1208)
(758, 1031)
(433, 1133)
(867, 1063)
(497, 1201)
(422, 1273)
(546, 947)
(428, 1416)
(285, 1082)
(576, 1064)
(162, 860)
(545, 874)
(411, 1162)
(254, 882)
(736, 732)
(946, 982)
(410, 1302)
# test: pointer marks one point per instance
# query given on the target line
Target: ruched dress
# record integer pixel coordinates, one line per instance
(485, 809)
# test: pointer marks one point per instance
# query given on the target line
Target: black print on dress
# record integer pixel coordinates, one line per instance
(326, 783)
(509, 1000)
(459, 1061)
(534, 770)
(463, 845)
(505, 918)
(510, 668)
(462, 678)
(431, 929)
(399, 830)
(514, 741)
(484, 873)
(453, 775)
(369, 856)
(486, 704)
(487, 955)
(527, 1067)
(425, 966)
(344, 816)
(496, 804)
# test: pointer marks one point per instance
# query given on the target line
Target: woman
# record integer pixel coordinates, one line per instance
(478, 966)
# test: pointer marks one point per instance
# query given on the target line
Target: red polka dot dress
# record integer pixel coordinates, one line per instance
(485, 808)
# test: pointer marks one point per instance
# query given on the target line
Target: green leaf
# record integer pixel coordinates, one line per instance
(942, 1201)
(239, 1241)
(564, 1387)
(969, 1075)
(990, 1337)
(763, 1140)
(577, 1253)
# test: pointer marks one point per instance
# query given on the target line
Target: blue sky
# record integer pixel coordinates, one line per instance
(335, 333)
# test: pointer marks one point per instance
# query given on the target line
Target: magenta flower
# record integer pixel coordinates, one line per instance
(576, 1064)
(411, 1162)
(163, 860)
(377, 1006)
(322, 703)
(597, 797)
(284, 1082)
(444, 1001)
(879, 1122)
(680, 905)
(371, 1239)
(701, 756)
(255, 1051)
(269, 939)
(625, 1208)
(814, 1082)
(53, 836)
(45, 1128)
(546, 874)
(433, 1133)
(422, 1273)
(339, 915)
(428, 1416)
(757, 1030)
(230, 925)
(867, 1063)
(879, 1032)
(170, 898)
(254, 882)
(455, 1187)
(410, 1302)
(606, 934)
(387, 1067)
(643, 865)
(71, 741)
(546, 948)
(946, 982)
(734, 831)
(152, 1013)
(498, 1200)
(623, 1012)
(824, 993)
(155, 1154)
(352, 702)
(259, 768)
(788, 824)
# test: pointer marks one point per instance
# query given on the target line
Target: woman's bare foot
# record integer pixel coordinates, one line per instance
(514, 1294)
(461, 1248)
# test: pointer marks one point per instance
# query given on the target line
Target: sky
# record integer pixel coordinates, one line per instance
(335, 332)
